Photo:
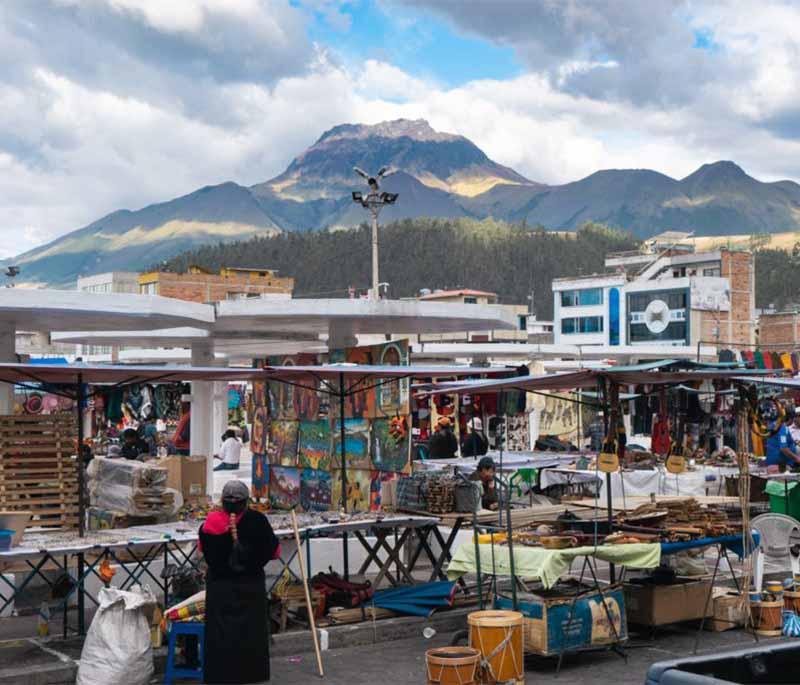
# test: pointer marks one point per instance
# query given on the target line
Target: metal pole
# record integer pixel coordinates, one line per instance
(374, 211)
(345, 547)
(79, 395)
(501, 440)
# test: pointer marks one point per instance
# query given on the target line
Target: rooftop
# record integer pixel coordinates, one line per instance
(457, 293)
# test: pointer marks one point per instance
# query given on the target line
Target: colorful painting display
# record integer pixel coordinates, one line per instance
(314, 451)
(302, 430)
(259, 487)
(284, 487)
(356, 444)
(283, 437)
(390, 444)
(315, 490)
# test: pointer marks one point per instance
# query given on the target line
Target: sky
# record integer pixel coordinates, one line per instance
(111, 104)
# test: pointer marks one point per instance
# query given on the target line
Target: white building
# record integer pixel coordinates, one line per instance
(664, 295)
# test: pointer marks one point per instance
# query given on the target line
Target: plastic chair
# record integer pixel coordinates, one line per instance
(184, 628)
(779, 533)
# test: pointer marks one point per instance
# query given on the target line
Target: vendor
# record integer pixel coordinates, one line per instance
(781, 449)
(182, 437)
(794, 428)
(485, 475)
(237, 543)
(475, 444)
(443, 443)
(230, 452)
(133, 447)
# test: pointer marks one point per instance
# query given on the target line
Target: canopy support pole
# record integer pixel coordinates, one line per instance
(342, 453)
(80, 397)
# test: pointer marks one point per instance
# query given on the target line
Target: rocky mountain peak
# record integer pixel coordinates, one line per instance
(415, 129)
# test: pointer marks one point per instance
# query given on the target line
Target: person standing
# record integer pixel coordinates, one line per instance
(780, 447)
(230, 453)
(237, 542)
(443, 443)
(476, 443)
(794, 429)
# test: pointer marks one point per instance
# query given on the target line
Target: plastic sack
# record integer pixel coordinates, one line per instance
(690, 562)
(791, 624)
(117, 647)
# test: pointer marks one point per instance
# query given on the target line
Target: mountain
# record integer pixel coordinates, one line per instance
(439, 175)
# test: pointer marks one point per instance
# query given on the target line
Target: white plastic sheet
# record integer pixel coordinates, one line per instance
(117, 647)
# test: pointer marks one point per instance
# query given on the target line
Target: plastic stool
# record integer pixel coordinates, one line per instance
(185, 628)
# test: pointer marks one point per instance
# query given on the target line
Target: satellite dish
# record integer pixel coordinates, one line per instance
(656, 316)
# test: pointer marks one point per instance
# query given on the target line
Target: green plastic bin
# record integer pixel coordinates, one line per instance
(777, 498)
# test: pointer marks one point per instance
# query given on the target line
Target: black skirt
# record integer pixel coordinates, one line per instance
(236, 646)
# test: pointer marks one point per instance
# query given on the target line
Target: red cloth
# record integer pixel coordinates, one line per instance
(181, 437)
(218, 523)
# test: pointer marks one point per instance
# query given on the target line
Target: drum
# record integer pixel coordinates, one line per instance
(767, 619)
(791, 601)
(498, 636)
(452, 665)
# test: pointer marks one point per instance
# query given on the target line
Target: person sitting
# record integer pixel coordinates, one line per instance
(485, 475)
(133, 447)
(230, 452)
(443, 443)
(475, 444)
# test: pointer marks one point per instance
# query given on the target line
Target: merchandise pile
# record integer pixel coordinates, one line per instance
(130, 487)
(678, 520)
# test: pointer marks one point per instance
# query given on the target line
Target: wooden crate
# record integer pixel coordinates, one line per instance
(38, 469)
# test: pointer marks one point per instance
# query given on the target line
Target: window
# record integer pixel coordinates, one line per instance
(675, 299)
(676, 331)
(470, 300)
(711, 272)
(149, 288)
(522, 320)
(585, 297)
(583, 324)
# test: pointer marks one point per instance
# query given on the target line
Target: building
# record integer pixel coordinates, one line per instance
(666, 294)
(479, 297)
(779, 331)
(110, 282)
(200, 285)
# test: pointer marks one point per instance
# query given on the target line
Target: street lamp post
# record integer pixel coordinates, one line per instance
(374, 201)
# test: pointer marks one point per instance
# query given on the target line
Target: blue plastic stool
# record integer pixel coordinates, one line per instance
(185, 628)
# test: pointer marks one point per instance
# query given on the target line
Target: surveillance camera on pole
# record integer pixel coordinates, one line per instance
(374, 201)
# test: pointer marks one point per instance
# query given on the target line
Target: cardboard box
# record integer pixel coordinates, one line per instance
(730, 610)
(659, 605)
(548, 628)
(187, 475)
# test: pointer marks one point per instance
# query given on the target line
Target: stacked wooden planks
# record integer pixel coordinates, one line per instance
(38, 469)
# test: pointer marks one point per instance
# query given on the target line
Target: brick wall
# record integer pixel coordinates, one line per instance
(215, 288)
(778, 331)
(738, 326)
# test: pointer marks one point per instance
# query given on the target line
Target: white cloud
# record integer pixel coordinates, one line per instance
(82, 137)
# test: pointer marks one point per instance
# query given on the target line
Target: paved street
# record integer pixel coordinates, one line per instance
(403, 662)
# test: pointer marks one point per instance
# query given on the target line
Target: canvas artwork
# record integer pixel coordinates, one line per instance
(314, 450)
(315, 490)
(259, 477)
(258, 440)
(358, 489)
(283, 436)
(377, 479)
(259, 393)
(284, 487)
(356, 444)
(390, 444)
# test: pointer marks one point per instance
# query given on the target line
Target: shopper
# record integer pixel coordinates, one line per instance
(182, 437)
(230, 453)
(133, 447)
(485, 475)
(237, 542)
(443, 443)
(475, 444)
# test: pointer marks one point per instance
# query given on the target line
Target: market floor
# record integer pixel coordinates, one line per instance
(403, 662)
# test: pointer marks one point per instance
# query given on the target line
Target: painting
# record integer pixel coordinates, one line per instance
(259, 477)
(315, 490)
(259, 393)
(314, 450)
(282, 447)
(284, 487)
(358, 489)
(356, 444)
(390, 444)
(377, 479)
(258, 440)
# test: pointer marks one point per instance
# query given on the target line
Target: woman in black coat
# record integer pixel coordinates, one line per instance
(237, 543)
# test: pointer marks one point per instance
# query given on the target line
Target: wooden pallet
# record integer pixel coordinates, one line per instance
(38, 472)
